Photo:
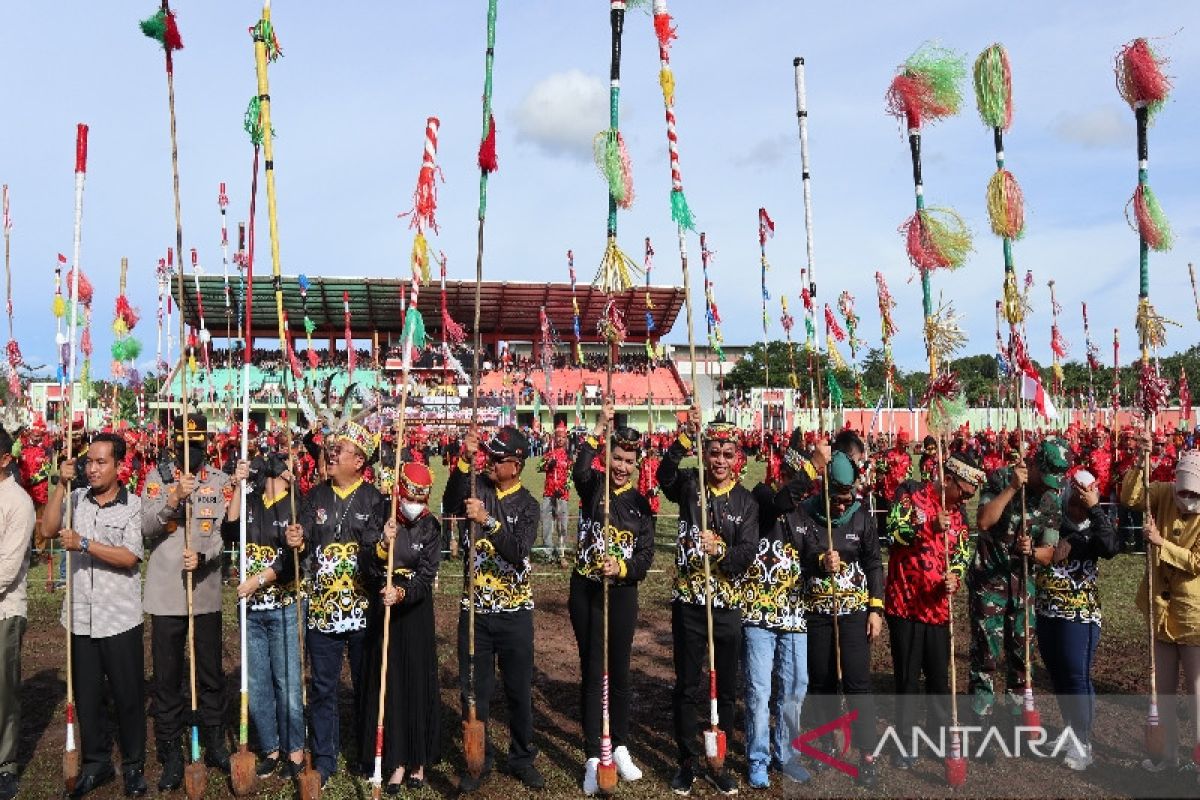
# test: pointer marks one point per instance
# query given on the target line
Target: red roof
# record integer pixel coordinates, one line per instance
(508, 309)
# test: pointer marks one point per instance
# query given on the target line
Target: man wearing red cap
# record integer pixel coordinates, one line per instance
(556, 464)
(891, 469)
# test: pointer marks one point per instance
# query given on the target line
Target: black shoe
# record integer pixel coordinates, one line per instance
(8, 786)
(292, 770)
(722, 781)
(170, 755)
(685, 776)
(468, 783)
(394, 789)
(93, 781)
(216, 753)
(414, 783)
(528, 774)
(267, 767)
(135, 783)
(868, 776)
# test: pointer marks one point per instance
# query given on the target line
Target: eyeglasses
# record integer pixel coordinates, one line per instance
(500, 458)
(965, 489)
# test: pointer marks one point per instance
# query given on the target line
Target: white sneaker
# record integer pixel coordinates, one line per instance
(1079, 759)
(1151, 765)
(625, 766)
(590, 787)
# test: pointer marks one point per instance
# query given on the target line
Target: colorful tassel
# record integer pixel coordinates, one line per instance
(1005, 205)
(414, 327)
(1058, 344)
(936, 238)
(944, 335)
(1140, 77)
(835, 356)
(993, 87)
(420, 256)
(834, 388)
(126, 313)
(612, 159)
(1153, 390)
(611, 325)
(313, 359)
(60, 306)
(1151, 326)
(928, 87)
(126, 349)
(252, 122)
(84, 288)
(425, 196)
(831, 325)
(681, 214)
(1149, 220)
(617, 270)
(162, 28)
(488, 161)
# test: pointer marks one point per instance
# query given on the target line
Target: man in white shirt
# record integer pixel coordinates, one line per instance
(16, 526)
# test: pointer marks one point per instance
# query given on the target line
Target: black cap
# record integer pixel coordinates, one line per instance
(508, 442)
(197, 427)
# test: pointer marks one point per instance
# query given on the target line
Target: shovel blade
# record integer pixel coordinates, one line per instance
(70, 769)
(1156, 743)
(606, 778)
(714, 749)
(956, 771)
(474, 745)
(242, 772)
(195, 780)
(309, 783)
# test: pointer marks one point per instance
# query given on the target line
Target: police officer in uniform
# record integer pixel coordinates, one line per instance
(206, 492)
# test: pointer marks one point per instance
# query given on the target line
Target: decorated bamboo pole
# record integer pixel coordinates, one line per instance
(888, 331)
(1115, 391)
(12, 350)
(422, 216)
(76, 284)
(616, 270)
(125, 348)
(1143, 85)
(808, 291)
(474, 734)
(262, 133)
(766, 229)
(651, 351)
(927, 89)
(712, 318)
(846, 308)
(1195, 294)
(787, 321)
(1058, 343)
(1093, 364)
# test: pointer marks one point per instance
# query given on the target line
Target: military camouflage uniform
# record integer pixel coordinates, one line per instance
(997, 599)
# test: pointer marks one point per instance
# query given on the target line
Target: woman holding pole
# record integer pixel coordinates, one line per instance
(412, 713)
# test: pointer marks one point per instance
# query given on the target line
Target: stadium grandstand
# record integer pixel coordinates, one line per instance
(531, 373)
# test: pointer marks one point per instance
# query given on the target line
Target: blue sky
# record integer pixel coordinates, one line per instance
(357, 81)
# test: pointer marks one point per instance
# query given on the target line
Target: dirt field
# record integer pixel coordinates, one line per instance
(1120, 670)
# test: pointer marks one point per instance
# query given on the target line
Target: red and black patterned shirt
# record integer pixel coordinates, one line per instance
(917, 565)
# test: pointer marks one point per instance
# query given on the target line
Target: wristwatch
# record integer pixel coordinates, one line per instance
(84, 543)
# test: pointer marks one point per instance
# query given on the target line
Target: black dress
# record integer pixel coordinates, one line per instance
(412, 714)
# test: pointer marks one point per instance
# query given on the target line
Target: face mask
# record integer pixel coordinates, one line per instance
(411, 510)
(1188, 506)
(196, 456)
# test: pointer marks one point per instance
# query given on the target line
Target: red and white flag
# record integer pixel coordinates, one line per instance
(1032, 389)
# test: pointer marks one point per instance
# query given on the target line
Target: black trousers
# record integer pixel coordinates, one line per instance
(920, 649)
(586, 606)
(120, 660)
(823, 701)
(170, 694)
(505, 637)
(690, 698)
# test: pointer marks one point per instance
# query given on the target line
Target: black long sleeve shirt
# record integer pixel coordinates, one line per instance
(502, 550)
(732, 515)
(631, 523)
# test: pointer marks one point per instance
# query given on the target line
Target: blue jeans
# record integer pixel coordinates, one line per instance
(325, 654)
(768, 654)
(1068, 648)
(273, 660)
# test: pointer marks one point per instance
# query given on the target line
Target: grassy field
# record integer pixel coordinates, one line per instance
(1120, 670)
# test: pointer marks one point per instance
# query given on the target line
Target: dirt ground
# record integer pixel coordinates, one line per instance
(1119, 673)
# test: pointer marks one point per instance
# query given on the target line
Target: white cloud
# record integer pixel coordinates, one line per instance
(767, 152)
(1106, 126)
(562, 113)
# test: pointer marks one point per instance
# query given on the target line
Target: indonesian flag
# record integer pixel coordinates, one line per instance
(1032, 389)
